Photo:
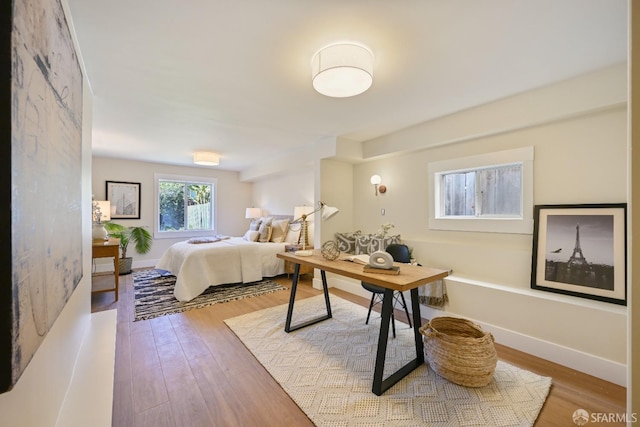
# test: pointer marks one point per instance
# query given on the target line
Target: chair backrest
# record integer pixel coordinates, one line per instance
(399, 252)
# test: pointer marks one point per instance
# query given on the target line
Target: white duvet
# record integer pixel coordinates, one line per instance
(233, 260)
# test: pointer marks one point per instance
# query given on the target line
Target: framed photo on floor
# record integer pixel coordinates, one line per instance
(124, 198)
(581, 250)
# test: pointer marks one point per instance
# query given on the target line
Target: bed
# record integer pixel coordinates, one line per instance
(232, 260)
(198, 264)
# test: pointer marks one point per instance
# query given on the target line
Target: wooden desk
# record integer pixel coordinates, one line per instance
(411, 277)
(106, 249)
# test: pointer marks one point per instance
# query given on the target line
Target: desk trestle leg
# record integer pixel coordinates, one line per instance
(381, 385)
(292, 300)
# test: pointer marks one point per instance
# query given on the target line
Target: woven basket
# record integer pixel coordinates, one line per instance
(460, 351)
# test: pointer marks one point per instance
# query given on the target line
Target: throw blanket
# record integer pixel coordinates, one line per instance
(232, 260)
(433, 294)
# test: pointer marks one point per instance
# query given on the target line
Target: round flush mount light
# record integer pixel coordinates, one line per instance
(342, 70)
(206, 158)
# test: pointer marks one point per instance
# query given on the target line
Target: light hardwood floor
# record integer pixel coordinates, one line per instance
(190, 370)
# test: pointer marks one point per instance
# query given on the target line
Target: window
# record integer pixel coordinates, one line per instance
(491, 192)
(185, 206)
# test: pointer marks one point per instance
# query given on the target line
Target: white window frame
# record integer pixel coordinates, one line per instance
(493, 224)
(157, 234)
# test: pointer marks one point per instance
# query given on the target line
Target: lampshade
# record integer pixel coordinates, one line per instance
(253, 213)
(376, 179)
(342, 70)
(206, 158)
(101, 210)
(328, 212)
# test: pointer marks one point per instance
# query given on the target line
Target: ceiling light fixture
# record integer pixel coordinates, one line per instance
(206, 158)
(342, 70)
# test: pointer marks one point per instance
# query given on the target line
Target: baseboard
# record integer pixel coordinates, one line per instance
(107, 266)
(89, 399)
(593, 365)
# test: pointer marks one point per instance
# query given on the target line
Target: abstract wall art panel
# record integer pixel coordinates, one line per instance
(42, 255)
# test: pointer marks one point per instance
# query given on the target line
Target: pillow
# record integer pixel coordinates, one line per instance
(255, 224)
(265, 230)
(347, 241)
(279, 229)
(251, 235)
(369, 243)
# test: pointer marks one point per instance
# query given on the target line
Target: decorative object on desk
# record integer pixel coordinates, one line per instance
(393, 271)
(327, 212)
(153, 294)
(101, 212)
(384, 230)
(140, 237)
(381, 259)
(581, 250)
(303, 252)
(124, 198)
(381, 262)
(460, 351)
(330, 250)
(337, 373)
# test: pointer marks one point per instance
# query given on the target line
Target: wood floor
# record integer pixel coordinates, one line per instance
(190, 370)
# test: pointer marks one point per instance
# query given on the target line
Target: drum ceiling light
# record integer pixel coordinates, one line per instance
(206, 158)
(342, 70)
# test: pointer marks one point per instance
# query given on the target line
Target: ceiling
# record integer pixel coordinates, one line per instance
(172, 77)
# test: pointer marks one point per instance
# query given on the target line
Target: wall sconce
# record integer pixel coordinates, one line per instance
(376, 180)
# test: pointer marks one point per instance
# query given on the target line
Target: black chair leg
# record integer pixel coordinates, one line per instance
(393, 323)
(404, 304)
(373, 299)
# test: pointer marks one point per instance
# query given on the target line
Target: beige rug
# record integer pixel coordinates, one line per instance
(327, 369)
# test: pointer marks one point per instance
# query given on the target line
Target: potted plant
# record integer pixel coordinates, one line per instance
(139, 236)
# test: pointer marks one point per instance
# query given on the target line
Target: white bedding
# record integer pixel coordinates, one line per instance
(233, 260)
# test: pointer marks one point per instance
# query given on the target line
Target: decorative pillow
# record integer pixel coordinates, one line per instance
(279, 229)
(255, 224)
(251, 235)
(265, 230)
(347, 241)
(369, 243)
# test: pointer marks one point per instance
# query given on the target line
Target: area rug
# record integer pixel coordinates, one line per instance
(153, 294)
(327, 369)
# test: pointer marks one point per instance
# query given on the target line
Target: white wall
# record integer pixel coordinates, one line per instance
(580, 157)
(278, 195)
(232, 198)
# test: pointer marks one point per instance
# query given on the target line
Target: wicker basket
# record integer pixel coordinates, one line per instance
(460, 351)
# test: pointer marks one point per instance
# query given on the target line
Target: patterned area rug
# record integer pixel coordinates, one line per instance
(153, 294)
(327, 369)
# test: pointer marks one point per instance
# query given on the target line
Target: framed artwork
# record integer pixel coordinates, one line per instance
(581, 250)
(124, 198)
(41, 134)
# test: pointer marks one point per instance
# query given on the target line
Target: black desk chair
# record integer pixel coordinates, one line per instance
(400, 253)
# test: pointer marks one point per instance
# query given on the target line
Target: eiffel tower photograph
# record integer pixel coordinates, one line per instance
(580, 251)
